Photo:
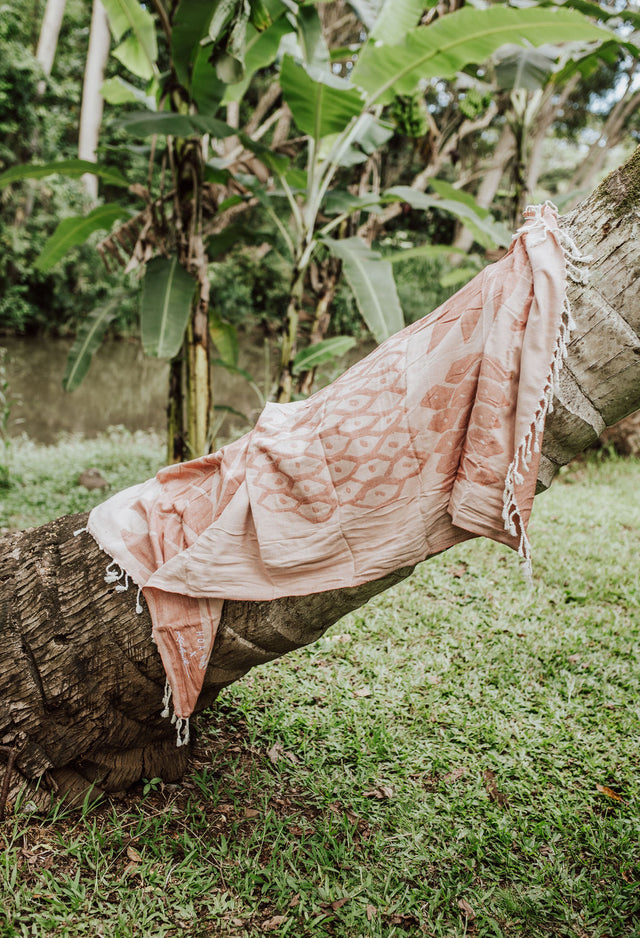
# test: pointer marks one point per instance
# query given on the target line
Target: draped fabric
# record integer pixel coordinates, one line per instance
(430, 440)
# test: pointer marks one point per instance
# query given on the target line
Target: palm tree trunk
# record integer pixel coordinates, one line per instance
(83, 679)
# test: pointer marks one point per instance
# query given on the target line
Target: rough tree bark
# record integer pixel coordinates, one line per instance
(83, 682)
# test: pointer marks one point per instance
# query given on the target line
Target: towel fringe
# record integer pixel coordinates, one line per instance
(577, 271)
(166, 699)
(182, 729)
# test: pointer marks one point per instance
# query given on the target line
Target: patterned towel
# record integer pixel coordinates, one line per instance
(431, 439)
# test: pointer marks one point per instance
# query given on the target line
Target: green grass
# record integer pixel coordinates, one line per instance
(430, 767)
(44, 479)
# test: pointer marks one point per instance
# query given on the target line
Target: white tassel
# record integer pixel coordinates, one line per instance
(111, 575)
(81, 531)
(576, 270)
(139, 609)
(182, 729)
(166, 699)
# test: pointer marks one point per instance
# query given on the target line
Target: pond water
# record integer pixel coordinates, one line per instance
(123, 388)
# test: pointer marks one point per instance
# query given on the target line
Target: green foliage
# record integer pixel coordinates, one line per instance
(247, 288)
(74, 231)
(321, 103)
(134, 28)
(44, 127)
(420, 289)
(89, 336)
(322, 352)
(409, 114)
(165, 306)
(370, 277)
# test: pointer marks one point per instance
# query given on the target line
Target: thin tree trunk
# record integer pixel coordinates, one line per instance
(92, 101)
(502, 154)
(83, 681)
(48, 41)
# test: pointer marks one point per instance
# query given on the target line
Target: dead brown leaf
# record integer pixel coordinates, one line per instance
(609, 792)
(404, 920)
(492, 789)
(295, 901)
(371, 911)
(382, 791)
(362, 691)
(455, 775)
(466, 909)
(134, 855)
(573, 659)
(338, 903)
(278, 752)
(274, 922)
(251, 812)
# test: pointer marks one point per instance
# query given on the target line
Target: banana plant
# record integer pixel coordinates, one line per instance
(343, 123)
(215, 48)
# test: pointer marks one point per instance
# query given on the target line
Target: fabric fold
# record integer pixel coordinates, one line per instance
(431, 439)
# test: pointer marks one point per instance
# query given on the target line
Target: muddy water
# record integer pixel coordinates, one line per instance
(122, 388)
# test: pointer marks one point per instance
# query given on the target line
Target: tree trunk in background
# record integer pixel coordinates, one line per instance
(92, 101)
(611, 134)
(48, 41)
(550, 107)
(488, 187)
(83, 682)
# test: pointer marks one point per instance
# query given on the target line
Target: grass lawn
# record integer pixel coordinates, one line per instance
(459, 758)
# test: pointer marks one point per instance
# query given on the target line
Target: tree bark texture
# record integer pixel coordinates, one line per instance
(83, 681)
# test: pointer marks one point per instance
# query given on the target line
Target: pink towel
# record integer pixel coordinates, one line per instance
(431, 439)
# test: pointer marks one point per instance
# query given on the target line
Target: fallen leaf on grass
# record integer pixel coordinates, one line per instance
(338, 903)
(466, 909)
(362, 691)
(454, 775)
(382, 791)
(295, 901)
(492, 789)
(609, 792)
(251, 812)
(371, 911)
(134, 855)
(573, 659)
(278, 752)
(274, 922)
(458, 570)
(224, 808)
(404, 920)
(298, 831)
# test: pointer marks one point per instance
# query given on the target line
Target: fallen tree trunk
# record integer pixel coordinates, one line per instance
(84, 681)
